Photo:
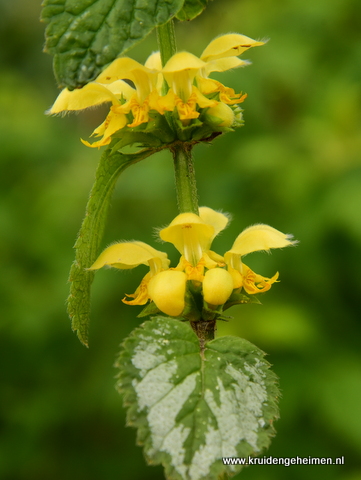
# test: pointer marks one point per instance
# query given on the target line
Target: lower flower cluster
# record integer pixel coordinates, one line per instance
(140, 95)
(203, 280)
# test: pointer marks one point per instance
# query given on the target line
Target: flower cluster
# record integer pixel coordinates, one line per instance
(140, 94)
(200, 270)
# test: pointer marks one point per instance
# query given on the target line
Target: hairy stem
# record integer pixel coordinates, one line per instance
(166, 41)
(185, 180)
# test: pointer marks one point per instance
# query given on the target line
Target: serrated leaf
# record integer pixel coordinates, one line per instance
(86, 35)
(194, 407)
(191, 9)
(87, 245)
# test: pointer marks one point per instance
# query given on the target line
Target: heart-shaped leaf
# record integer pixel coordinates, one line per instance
(193, 406)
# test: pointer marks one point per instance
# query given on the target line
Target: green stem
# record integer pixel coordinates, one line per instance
(185, 180)
(167, 48)
(182, 153)
(166, 41)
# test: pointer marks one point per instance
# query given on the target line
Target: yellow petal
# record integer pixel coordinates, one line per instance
(155, 102)
(113, 123)
(167, 290)
(207, 85)
(99, 131)
(154, 61)
(201, 100)
(190, 235)
(119, 87)
(143, 78)
(127, 255)
(259, 237)
(254, 283)
(213, 259)
(179, 72)
(140, 115)
(186, 109)
(98, 144)
(155, 253)
(140, 296)
(90, 95)
(168, 101)
(236, 276)
(217, 286)
(183, 61)
(193, 272)
(230, 45)
(223, 64)
(226, 94)
(121, 68)
(116, 121)
(217, 220)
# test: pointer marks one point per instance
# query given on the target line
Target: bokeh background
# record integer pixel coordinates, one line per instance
(294, 165)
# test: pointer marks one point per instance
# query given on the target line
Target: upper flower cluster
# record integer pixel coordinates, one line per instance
(200, 271)
(138, 96)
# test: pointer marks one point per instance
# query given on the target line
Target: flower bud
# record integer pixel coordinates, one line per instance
(217, 286)
(220, 116)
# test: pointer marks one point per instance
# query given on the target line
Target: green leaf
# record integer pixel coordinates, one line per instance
(194, 407)
(240, 298)
(86, 35)
(87, 245)
(191, 9)
(150, 309)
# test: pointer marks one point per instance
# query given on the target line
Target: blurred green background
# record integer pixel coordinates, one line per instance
(294, 165)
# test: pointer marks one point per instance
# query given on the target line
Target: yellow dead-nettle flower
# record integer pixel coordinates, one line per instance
(190, 88)
(221, 55)
(129, 255)
(192, 235)
(179, 72)
(110, 86)
(187, 75)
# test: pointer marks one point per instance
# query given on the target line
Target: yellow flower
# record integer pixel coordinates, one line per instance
(225, 46)
(221, 55)
(179, 72)
(130, 255)
(110, 86)
(253, 239)
(134, 90)
(165, 287)
(216, 276)
(184, 69)
(193, 234)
